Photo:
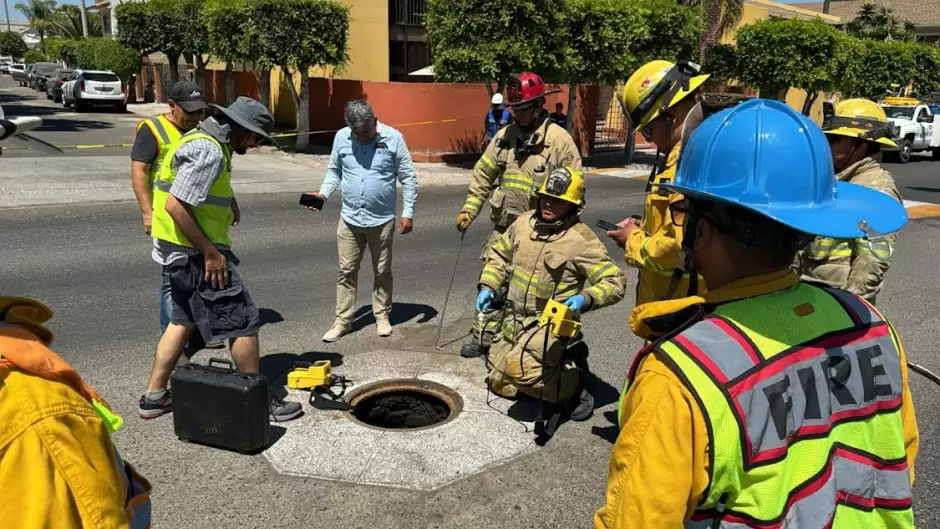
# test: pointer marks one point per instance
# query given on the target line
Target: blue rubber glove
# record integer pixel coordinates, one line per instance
(484, 298)
(576, 303)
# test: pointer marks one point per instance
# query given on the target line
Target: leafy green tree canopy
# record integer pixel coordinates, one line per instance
(12, 44)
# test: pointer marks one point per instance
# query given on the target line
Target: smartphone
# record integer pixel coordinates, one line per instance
(308, 200)
(607, 226)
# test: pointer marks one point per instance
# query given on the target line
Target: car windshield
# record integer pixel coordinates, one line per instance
(45, 70)
(899, 112)
(101, 77)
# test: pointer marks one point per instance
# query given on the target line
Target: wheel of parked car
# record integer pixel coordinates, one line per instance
(904, 150)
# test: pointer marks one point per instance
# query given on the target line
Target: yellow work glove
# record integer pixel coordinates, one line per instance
(463, 221)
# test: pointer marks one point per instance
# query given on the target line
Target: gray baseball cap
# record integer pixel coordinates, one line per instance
(250, 114)
(188, 95)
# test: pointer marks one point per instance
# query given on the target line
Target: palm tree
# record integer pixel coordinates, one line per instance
(40, 14)
(721, 16)
(67, 23)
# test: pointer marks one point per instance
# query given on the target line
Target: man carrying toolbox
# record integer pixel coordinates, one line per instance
(194, 208)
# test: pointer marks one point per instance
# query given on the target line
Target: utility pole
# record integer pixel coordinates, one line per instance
(81, 7)
(6, 14)
(114, 21)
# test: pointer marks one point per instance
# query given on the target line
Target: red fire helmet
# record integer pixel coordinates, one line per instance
(524, 88)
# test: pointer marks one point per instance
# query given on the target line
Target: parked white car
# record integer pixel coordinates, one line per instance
(17, 70)
(917, 127)
(87, 88)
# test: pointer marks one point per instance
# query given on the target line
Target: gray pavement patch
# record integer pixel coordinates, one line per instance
(329, 445)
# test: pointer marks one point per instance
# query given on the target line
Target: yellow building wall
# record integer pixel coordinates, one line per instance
(368, 56)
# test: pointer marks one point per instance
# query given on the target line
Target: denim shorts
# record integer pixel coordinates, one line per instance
(218, 314)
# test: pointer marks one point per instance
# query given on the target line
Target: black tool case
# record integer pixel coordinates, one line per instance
(220, 407)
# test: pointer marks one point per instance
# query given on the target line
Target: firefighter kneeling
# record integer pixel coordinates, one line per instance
(546, 254)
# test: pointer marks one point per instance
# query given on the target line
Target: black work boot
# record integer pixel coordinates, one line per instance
(581, 405)
(473, 350)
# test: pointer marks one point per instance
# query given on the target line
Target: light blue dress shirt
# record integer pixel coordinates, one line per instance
(368, 174)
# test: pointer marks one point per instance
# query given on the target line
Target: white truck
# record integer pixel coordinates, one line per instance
(917, 127)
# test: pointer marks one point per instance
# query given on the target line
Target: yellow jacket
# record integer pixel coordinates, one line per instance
(654, 487)
(655, 247)
(58, 467)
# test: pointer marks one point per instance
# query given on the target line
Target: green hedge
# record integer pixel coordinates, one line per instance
(816, 57)
(106, 54)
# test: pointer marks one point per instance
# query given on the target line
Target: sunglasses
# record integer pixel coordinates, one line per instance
(681, 209)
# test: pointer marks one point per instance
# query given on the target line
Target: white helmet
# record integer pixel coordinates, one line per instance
(497, 99)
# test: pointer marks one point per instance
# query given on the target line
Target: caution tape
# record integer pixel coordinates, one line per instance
(396, 125)
(281, 135)
(73, 147)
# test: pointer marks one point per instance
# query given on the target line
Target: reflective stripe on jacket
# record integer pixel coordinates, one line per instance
(856, 266)
(655, 248)
(520, 167)
(805, 436)
(493, 126)
(214, 216)
(166, 133)
(58, 466)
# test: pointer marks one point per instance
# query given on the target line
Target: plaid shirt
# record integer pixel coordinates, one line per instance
(198, 164)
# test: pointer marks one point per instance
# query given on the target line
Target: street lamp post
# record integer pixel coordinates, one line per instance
(81, 7)
(6, 14)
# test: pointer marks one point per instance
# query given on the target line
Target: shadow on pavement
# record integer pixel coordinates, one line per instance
(269, 317)
(925, 189)
(15, 105)
(610, 432)
(401, 313)
(276, 366)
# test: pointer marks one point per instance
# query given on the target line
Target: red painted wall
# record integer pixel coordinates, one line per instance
(433, 117)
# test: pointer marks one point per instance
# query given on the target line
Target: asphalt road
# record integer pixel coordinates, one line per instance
(90, 263)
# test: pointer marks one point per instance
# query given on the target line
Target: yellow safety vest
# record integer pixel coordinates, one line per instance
(214, 216)
(166, 134)
(808, 436)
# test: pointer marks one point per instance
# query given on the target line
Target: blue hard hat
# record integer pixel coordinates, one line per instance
(764, 156)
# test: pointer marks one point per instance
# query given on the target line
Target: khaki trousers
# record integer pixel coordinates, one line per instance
(352, 242)
(492, 323)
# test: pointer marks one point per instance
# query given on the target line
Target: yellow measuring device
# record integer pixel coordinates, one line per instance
(306, 375)
(560, 320)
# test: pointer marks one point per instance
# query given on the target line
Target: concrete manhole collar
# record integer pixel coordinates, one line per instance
(404, 405)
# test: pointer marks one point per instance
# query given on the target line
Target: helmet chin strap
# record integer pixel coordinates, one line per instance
(686, 263)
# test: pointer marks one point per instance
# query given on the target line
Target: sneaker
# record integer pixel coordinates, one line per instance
(582, 406)
(383, 327)
(335, 332)
(281, 410)
(151, 409)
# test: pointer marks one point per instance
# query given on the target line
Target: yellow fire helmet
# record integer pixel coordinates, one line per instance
(858, 118)
(656, 87)
(565, 183)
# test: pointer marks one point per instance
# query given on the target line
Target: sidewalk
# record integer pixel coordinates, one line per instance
(148, 110)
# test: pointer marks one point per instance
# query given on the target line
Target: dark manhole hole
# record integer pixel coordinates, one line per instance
(405, 404)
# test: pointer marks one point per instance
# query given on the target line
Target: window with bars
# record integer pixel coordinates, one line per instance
(407, 12)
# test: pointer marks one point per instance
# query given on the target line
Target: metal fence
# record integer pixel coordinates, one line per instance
(611, 132)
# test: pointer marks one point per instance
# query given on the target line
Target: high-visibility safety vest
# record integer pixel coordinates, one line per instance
(166, 134)
(805, 436)
(214, 216)
(493, 126)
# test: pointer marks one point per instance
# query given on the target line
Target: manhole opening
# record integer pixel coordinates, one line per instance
(408, 405)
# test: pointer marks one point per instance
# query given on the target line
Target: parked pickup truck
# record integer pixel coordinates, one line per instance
(916, 125)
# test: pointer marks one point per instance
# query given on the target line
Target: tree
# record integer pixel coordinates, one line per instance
(606, 40)
(228, 32)
(777, 54)
(872, 68)
(40, 14)
(486, 41)
(297, 35)
(720, 17)
(107, 54)
(67, 23)
(166, 26)
(195, 39)
(33, 56)
(12, 44)
(880, 23)
(721, 63)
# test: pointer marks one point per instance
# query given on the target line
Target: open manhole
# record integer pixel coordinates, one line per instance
(404, 404)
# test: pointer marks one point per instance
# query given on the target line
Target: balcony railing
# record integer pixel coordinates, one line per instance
(406, 12)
